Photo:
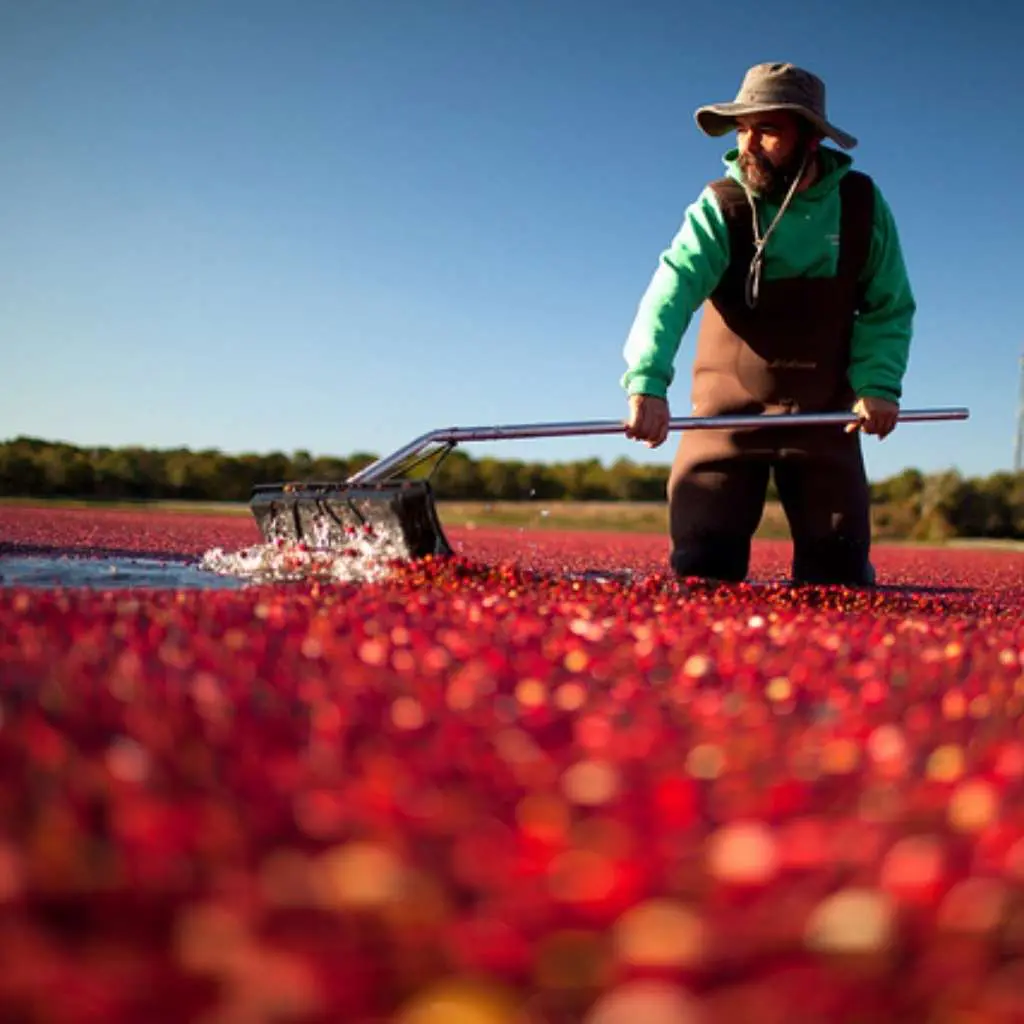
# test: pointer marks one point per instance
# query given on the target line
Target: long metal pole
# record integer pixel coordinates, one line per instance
(379, 470)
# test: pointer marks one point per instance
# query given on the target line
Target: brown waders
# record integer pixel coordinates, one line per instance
(787, 354)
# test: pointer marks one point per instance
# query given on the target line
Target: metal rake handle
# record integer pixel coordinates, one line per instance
(452, 436)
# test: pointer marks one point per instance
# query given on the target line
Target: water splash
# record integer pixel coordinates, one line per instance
(364, 556)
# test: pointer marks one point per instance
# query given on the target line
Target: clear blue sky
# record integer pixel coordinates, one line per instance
(263, 226)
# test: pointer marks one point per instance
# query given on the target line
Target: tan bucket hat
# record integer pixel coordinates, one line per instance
(774, 87)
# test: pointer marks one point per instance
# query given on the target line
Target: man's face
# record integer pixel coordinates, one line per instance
(772, 146)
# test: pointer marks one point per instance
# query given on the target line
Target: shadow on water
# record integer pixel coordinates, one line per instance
(17, 550)
(907, 589)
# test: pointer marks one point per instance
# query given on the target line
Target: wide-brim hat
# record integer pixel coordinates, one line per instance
(768, 87)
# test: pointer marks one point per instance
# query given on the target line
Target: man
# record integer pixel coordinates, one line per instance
(797, 263)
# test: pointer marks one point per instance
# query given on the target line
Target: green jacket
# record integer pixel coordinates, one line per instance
(805, 243)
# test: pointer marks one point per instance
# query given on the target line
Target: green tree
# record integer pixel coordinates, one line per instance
(21, 474)
(458, 478)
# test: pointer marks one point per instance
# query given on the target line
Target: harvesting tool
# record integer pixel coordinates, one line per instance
(378, 500)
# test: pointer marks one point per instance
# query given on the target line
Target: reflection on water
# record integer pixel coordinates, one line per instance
(107, 573)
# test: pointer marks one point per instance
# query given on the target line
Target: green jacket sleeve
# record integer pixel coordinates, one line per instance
(687, 273)
(880, 346)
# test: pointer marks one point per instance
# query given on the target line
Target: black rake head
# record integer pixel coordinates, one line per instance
(334, 516)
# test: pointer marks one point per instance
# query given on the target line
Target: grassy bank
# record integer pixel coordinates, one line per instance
(617, 516)
(610, 516)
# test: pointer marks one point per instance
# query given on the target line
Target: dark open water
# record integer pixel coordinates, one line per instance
(108, 573)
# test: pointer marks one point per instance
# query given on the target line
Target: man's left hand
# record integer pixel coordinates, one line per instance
(876, 416)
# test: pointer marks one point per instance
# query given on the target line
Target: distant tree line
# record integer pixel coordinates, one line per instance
(911, 504)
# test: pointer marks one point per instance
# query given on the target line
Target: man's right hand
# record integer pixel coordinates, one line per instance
(648, 419)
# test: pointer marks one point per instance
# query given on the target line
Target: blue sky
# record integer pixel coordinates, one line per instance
(263, 226)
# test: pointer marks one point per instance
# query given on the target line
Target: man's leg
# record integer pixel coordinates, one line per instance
(825, 493)
(715, 505)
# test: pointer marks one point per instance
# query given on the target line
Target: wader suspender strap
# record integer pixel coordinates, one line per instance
(857, 195)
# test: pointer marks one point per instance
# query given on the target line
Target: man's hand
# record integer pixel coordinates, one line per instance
(648, 419)
(877, 416)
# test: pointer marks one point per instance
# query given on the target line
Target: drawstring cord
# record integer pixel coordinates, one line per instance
(753, 288)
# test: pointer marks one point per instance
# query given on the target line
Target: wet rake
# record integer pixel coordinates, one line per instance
(378, 500)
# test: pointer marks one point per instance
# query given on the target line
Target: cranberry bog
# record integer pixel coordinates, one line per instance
(538, 782)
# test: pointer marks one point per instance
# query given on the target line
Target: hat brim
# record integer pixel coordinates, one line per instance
(720, 118)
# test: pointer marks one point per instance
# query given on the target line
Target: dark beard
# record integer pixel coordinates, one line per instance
(767, 180)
